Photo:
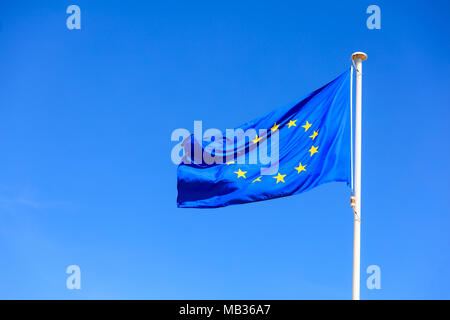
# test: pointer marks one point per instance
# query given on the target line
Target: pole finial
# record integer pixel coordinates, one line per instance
(359, 55)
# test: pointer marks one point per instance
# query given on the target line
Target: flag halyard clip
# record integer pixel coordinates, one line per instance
(356, 68)
(353, 205)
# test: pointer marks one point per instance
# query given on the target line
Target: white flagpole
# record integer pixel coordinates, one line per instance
(357, 57)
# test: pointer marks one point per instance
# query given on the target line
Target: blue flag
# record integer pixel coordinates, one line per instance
(288, 151)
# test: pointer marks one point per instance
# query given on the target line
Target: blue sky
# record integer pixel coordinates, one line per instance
(86, 176)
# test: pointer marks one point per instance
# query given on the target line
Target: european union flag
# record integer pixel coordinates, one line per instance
(290, 150)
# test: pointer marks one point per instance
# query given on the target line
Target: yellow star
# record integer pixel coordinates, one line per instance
(257, 179)
(256, 139)
(314, 135)
(275, 127)
(306, 126)
(300, 168)
(230, 162)
(292, 123)
(313, 150)
(241, 173)
(280, 177)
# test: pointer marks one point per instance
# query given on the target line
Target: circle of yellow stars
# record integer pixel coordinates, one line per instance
(300, 168)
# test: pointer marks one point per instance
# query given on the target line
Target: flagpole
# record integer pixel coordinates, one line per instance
(358, 58)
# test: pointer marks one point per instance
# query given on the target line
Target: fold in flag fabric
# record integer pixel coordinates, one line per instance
(288, 151)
